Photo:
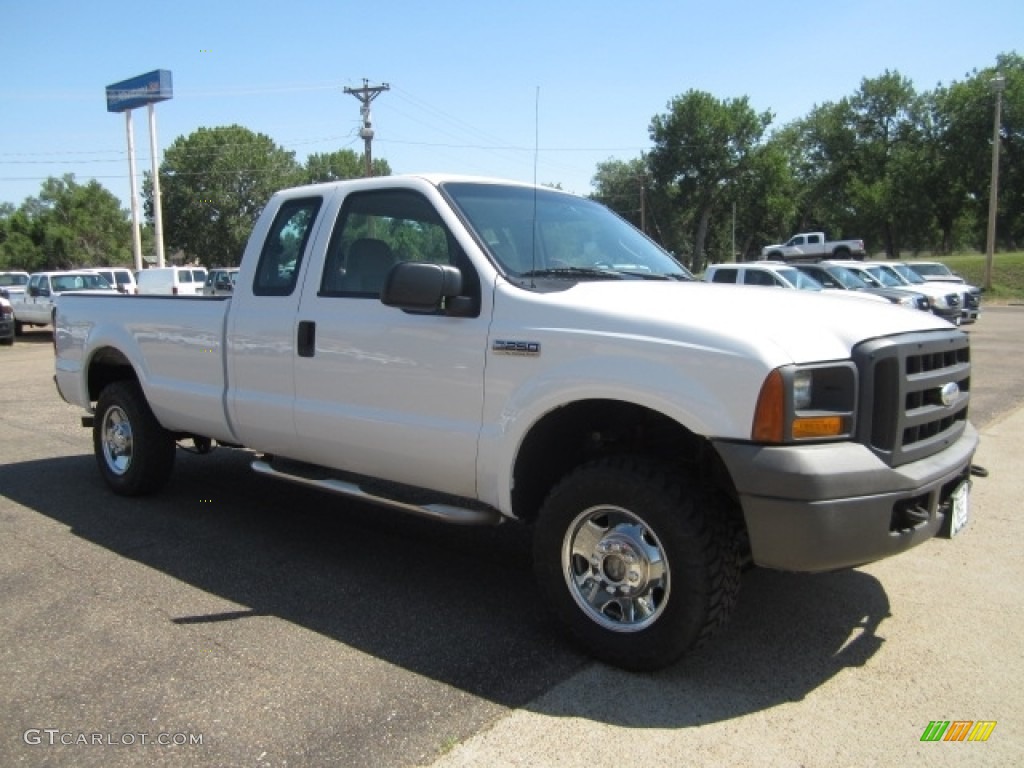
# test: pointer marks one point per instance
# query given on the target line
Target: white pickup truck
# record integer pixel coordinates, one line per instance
(813, 245)
(475, 351)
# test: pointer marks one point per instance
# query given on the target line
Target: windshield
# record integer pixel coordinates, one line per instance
(62, 283)
(544, 233)
(885, 277)
(9, 280)
(847, 278)
(907, 274)
(801, 280)
(933, 270)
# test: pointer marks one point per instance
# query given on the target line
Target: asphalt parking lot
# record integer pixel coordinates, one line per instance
(236, 621)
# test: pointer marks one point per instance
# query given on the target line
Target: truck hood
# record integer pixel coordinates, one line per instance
(778, 325)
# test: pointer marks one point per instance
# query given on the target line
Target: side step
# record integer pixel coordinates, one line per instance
(418, 501)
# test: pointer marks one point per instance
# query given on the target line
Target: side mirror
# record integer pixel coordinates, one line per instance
(420, 287)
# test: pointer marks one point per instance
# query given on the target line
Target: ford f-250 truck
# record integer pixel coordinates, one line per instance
(813, 245)
(475, 351)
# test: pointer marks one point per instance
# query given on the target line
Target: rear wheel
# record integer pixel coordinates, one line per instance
(134, 453)
(636, 561)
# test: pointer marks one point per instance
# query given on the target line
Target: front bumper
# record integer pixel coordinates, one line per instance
(837, 505)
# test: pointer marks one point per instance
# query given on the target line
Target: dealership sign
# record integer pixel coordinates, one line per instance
(139, 91)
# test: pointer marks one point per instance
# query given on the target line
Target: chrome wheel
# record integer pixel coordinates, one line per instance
(616, 568)
(117, 440)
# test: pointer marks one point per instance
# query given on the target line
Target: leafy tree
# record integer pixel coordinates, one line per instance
(343, 164)
(621, 185)
(703, 146)
(67, 225)
(214, 184)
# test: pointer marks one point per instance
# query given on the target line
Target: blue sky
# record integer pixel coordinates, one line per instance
(474, 85)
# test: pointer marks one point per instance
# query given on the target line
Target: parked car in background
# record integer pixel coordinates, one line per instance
(969, 297)
(12, 284)
(840, 278)
(220, 281)
(937, 272)
(944, 302)
(35, 306)
(813, 245)
(6, 322)
(121, 278)
(171, 281)
(778, 275)
(761, 273)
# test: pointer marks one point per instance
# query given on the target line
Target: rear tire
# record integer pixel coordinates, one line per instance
(134, 453)
(636, 560)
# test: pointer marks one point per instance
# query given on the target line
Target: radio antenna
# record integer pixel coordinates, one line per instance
(536, 154)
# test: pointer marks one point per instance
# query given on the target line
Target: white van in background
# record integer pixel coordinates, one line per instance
(121, 278)
(171, 281)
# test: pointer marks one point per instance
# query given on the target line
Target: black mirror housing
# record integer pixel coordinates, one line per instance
(421, 287)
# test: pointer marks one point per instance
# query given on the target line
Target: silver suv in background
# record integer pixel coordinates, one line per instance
(220, 281)
(944, 302)
(839, 278)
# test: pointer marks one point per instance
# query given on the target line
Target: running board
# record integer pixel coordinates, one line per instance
(452, 509)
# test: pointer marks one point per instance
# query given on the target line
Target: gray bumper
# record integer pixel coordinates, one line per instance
(823, 507)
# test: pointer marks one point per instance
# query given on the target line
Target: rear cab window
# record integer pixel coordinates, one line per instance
(281, 257)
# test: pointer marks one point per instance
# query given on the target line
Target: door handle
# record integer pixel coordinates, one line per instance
(306, 340)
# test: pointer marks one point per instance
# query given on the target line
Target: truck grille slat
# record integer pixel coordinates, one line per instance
(915, 394)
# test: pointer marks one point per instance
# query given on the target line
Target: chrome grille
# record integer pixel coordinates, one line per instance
(915, 391)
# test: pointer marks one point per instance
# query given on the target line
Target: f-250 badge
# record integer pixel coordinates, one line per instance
(525, 348)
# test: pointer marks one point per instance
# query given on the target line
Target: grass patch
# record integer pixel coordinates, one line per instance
(1007, 274)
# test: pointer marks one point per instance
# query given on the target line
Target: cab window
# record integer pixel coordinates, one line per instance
(281, 257)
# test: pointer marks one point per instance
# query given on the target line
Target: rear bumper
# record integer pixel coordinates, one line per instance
(824, 507)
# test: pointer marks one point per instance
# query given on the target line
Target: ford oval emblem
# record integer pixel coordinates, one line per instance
(949, 393)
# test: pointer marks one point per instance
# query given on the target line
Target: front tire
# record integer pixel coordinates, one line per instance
(636, 560)
(134, 453)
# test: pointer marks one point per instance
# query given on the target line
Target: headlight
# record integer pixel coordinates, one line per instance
(802, 403)
(908, 301)
(940, 302)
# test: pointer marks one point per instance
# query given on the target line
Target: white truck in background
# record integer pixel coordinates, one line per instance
(813, 246)
(477, 351)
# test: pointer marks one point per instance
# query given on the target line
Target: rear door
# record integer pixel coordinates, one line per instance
(262, 328)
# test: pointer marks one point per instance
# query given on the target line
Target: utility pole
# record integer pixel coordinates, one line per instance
(998, 83)
(366, 94)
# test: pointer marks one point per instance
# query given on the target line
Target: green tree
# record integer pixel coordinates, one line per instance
(343, 164)
(214, 184)
(702, 147)
(67, 225)
(621, 185)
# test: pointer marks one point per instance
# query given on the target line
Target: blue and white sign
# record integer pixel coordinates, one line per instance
(139, 91)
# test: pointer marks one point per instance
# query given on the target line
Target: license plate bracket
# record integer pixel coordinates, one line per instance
(959, 508)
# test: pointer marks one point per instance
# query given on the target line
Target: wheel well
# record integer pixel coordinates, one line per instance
(573, 434)
(107, 366)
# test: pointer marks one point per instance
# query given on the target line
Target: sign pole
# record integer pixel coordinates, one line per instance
(158, 219)
(136, 237)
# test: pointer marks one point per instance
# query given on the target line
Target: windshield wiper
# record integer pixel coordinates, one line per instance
(574, 272)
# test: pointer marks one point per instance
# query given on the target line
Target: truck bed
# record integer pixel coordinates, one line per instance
(177, 342)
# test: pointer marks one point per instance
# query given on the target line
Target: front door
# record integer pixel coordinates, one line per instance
(380, 391)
